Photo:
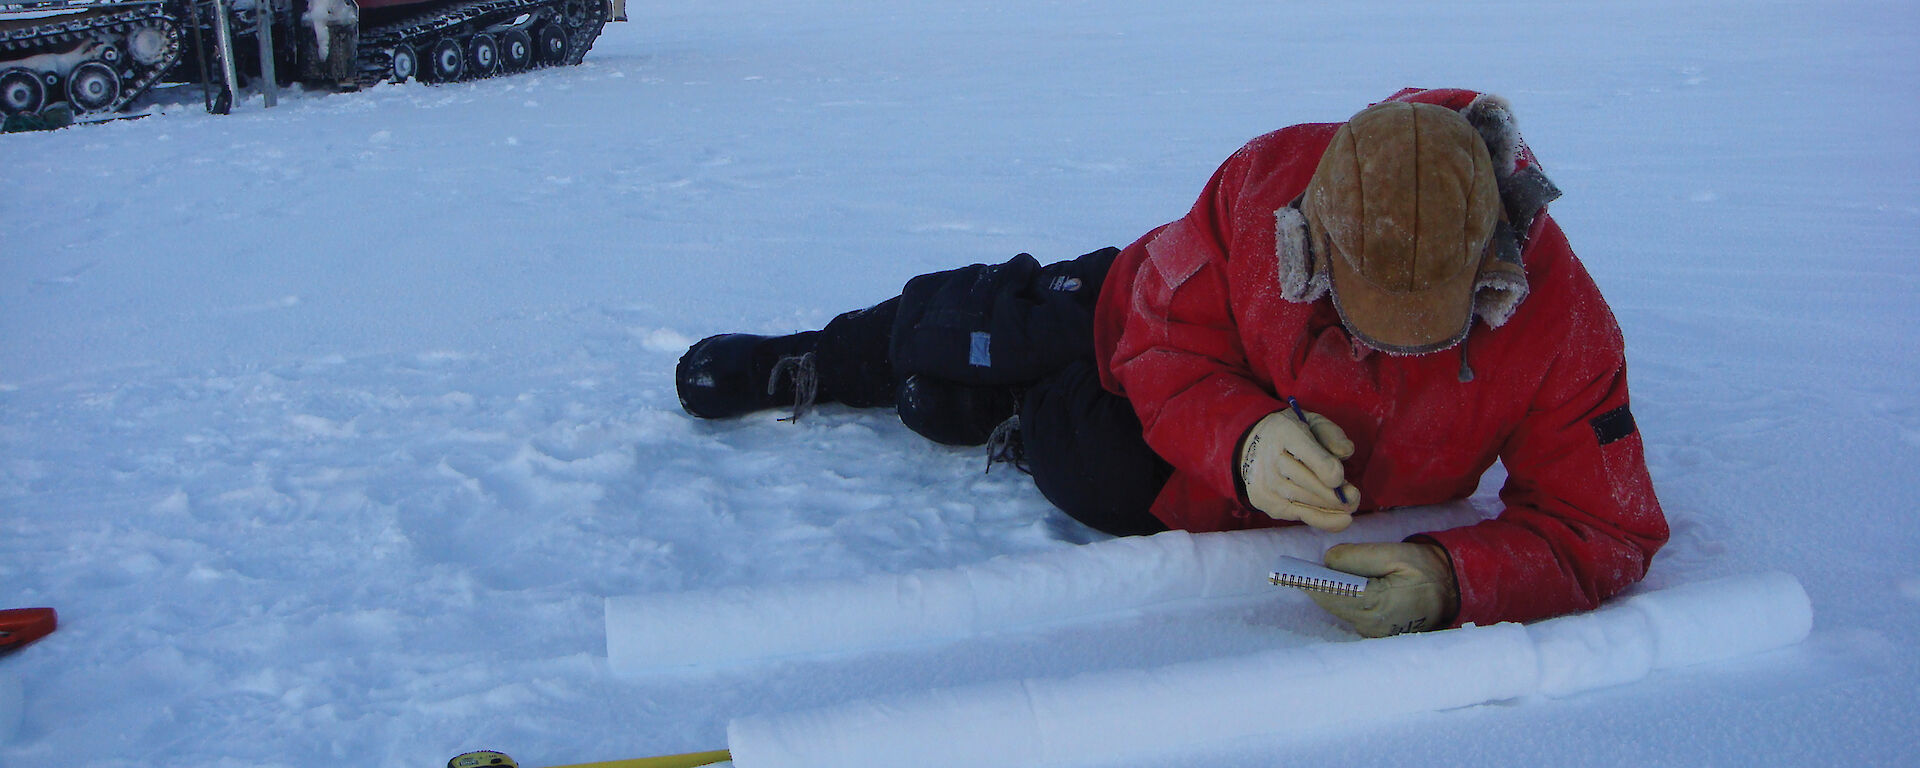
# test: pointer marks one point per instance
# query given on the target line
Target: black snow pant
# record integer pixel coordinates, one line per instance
(1017, 328)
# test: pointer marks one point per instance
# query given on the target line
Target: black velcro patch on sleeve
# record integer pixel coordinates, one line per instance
(1613, 425)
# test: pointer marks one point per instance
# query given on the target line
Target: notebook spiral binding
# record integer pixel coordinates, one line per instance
(1327, 586)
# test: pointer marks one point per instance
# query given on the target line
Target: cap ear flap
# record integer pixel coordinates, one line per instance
(1501, 283)
(1300, 275)
(1492, 118)
(1523, 190)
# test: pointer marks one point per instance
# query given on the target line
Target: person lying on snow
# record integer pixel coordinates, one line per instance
(1339, 266)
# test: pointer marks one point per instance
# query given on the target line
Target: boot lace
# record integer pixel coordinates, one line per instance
(806, 382)
(1004, 446)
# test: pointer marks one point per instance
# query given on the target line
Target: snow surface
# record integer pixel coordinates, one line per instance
(329, 428)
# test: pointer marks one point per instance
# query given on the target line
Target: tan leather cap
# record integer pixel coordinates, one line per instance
(1401, 208)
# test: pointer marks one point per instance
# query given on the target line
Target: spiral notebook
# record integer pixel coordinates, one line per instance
(1301, 574)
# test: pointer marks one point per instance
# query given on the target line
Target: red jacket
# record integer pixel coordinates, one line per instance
(1192, 329)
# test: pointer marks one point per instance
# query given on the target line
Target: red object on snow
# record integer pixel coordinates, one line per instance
(20, 626)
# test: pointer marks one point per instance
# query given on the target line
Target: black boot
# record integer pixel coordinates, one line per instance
(735, 374)
(846, 362)
(953, 414)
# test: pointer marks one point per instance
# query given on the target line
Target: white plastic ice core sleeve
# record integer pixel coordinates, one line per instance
(723, 627)
(1046, 721)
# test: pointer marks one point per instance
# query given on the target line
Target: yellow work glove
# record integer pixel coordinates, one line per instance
(1291, 470)
(1410, 588)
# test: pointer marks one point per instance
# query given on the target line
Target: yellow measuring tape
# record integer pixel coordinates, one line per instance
(689, 760)
(492, 759)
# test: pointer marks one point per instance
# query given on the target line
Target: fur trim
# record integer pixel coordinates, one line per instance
(1300, 282)
(1523, 191)
(1496, 297)
(1493, 118)
(1502, 282)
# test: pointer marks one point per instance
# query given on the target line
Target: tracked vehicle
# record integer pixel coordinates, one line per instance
(95, 57)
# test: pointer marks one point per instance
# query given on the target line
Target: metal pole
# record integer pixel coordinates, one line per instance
(223, 35)
(200, 53)
(269, 87)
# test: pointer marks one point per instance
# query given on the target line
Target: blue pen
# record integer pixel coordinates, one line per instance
(1302, 416)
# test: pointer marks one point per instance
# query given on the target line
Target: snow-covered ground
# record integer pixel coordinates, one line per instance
(328, 428)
